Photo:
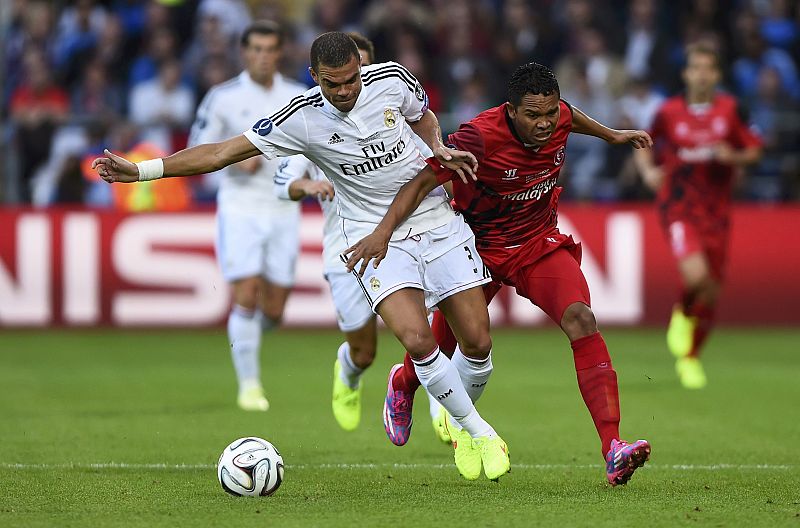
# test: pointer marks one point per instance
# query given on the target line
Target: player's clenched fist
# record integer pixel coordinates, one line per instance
(113, 168)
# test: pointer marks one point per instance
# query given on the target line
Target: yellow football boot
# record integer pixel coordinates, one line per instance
(346, 402)
(252, 399)
(680, 332)
(440, 426)
(494, 455)
(467, 456)
(691, 373)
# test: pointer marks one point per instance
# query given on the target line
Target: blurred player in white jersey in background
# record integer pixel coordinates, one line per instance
(297, 178)
(257, 234)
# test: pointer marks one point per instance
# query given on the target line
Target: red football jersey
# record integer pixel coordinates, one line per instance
(515, 198)
(697, 188)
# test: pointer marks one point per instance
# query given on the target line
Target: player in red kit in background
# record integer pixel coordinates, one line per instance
(512, 209)
(700, 141)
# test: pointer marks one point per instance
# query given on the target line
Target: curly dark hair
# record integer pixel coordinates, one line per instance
(333, 49)
(532, 78)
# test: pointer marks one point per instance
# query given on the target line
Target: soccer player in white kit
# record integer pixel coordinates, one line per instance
(352, 127)
(297, 178)
(257, 234)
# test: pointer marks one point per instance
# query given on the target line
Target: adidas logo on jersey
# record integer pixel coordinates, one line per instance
(335, 139)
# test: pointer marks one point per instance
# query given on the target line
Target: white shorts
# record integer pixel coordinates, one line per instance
(352, 309)
(441, 262)
(250, 245)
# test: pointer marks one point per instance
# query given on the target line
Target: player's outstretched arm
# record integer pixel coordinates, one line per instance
(200, 159)
(583, 124)
(374, 246)
(462, 162)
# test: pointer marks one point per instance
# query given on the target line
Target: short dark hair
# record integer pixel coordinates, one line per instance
(262, 27)
(364, 44)
(532, 78)
(334, 49)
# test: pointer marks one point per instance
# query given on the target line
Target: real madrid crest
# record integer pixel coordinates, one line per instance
(375, 284)
(389, 118)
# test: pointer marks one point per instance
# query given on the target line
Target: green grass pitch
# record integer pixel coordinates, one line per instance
(107, 428)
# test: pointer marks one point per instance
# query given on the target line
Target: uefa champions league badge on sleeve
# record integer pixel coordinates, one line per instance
(263, 127)
(419, 92)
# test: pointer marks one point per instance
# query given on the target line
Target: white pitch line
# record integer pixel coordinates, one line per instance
(541, 467)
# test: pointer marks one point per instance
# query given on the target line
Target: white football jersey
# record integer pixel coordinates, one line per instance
(226, 110)
(296, 167)
(367, 153)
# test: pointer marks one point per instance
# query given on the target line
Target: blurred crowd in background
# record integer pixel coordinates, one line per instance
(83, 75)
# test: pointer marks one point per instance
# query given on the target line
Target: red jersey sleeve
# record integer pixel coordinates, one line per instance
(657, 130)
(468, 137)
(743, 135)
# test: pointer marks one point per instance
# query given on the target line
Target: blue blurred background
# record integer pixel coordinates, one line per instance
(81, 75)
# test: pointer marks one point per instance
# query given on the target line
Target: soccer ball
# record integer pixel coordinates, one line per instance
(250, 467)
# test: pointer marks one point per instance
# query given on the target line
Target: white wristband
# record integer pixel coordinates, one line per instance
(151, 169)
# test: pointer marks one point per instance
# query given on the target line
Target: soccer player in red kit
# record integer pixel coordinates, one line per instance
(512, 209)
(700, 141)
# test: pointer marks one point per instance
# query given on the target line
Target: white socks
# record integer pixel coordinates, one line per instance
(441, 379)
(349, 373)
(474, 372)
(434, 405)
(244, 336)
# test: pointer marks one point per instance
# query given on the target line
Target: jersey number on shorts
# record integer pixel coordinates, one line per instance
(469, 256)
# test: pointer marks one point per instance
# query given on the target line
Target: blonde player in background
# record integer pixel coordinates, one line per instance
(257, 234)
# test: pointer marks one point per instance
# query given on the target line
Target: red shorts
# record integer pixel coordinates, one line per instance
(686, 239)
(546, 271)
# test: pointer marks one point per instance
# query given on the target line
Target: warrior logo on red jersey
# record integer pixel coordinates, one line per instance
(559, 157)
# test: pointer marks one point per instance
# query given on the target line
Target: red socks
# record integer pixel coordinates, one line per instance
(442, 333)
(704, 314)
(405, 378)
(597, 381)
